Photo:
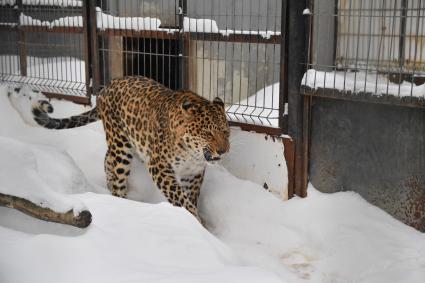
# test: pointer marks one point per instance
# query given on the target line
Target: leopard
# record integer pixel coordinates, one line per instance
(175, 133)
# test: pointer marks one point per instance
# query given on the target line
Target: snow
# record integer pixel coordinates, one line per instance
(210, 26)
(306, 11)
(261, 108)
(105, 21)
(252, 236)
(200, 25)
(34, 162)
(74, 21)
(361, 82)
(60, 3)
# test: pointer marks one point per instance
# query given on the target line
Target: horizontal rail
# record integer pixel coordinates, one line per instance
(77, 99)
(235, 37)
(257, 128)
(202, 36)
(157, 34)
(41, 29)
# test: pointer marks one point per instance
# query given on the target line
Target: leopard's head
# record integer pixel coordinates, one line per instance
(205, 131)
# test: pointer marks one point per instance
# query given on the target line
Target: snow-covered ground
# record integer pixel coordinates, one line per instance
(252, 236)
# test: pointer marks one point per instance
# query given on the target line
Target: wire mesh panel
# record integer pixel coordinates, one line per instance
(138, 38)
(43, 45)
(234, 53)
(229, 49)
(367, 49)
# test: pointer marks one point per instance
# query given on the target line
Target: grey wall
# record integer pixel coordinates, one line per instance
(375, 150)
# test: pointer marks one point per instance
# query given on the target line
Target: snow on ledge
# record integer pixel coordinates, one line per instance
(74, 21)
(210, 26)
(59, 3)
(357, 82)
(106, 21)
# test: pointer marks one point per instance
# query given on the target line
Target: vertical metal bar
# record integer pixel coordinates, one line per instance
(296, 45)
(402, 40)
(94, 64)
(86, 39)
(302, 191)
(21, 41)
(182, 12)
(283, 78)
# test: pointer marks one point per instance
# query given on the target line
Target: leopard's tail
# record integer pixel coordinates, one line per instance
(43, 119)
(34, 109)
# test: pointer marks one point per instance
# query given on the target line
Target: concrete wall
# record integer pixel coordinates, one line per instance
(375, 150)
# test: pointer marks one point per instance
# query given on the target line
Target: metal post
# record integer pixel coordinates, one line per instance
(181, 52)
(402, 41)
(86, 38)
(283, 79)
(93, 46)
(296, 37)
(21, 41)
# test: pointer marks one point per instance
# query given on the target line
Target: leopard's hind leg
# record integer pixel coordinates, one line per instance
(117, 160)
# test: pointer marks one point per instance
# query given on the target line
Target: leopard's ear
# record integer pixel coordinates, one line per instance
(217, 100)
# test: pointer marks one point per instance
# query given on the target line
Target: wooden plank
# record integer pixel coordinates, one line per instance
(142, 33)
(53, 30)
(77, 99)
(257, 128)
(239, 38)
(415, 102)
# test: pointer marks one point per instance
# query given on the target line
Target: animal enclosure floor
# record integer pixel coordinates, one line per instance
(252, 236)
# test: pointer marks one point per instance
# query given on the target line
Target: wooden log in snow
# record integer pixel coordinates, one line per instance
(82, 220)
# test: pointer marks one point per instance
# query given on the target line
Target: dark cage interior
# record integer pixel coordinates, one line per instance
(154, 58)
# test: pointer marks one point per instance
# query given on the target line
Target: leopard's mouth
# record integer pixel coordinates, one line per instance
(209, 157)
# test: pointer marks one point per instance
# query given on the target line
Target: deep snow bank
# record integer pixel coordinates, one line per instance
(323, 238)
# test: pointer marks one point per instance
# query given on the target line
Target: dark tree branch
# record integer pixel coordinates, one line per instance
(82, 220)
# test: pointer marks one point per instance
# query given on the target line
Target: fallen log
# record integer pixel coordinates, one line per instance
(82, 220)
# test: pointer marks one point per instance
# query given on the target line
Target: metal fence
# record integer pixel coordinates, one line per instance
(371, 50)
(42, 44)
(230, 49)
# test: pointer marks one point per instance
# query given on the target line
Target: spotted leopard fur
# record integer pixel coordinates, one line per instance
(174, 132)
